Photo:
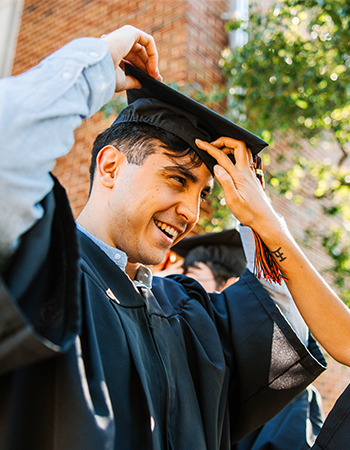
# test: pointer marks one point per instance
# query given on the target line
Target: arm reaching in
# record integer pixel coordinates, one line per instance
(325, 314)
(40, 109)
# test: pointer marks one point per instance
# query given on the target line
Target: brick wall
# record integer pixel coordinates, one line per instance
(189, 36)
(332, 383)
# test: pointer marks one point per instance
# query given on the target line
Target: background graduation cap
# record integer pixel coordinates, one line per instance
(230, 238)
(162, 106)
(218, 250)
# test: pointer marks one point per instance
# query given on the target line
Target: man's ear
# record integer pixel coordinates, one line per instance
(107, 163)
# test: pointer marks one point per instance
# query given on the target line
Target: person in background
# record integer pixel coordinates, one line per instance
(215, 260)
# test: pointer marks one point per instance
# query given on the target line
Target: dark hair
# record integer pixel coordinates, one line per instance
(224, 261)
(137, 141)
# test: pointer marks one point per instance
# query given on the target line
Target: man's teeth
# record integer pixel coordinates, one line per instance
(167, 229)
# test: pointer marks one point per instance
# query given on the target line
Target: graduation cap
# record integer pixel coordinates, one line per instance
(218, 250)
(160, 105)
(230, 238)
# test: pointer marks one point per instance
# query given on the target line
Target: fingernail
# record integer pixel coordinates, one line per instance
(218, 170)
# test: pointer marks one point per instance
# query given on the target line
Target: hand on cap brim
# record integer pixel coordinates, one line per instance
(243, 193)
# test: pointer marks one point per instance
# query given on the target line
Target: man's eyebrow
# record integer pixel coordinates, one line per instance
(183, 171)
(186, 173)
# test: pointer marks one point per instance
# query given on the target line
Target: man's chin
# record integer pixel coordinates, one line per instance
(156, 260)
(149, 259)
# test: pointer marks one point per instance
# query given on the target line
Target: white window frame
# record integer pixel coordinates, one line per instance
(10, 20)
(240, 10)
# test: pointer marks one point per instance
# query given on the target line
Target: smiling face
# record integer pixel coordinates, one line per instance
(144, 209)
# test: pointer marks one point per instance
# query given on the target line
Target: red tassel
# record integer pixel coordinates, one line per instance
(265, 263)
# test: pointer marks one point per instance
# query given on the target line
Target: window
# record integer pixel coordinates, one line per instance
(10, 19)
(240, 10)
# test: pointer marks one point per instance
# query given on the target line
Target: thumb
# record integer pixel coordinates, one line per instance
(224, 179)
(132, 83)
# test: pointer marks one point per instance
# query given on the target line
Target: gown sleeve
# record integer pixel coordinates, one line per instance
(269, 362)
(39, 110)
(267, 365)
(39, 292)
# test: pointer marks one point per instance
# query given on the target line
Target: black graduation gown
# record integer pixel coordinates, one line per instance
(88, 363)
(294, 428)
(335, 433)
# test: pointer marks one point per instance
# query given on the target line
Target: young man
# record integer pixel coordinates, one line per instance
(90, 357)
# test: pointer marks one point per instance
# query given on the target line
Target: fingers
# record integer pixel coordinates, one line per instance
(222, 147)
(147, 51)
(131, 83)
(233, 178)
(225, 171)
(143, 60)
(219, 153)
(215, 152)
(243, 192)
(136, 46)
(243, 155)
(138, 57)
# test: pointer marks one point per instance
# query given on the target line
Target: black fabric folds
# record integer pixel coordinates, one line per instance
(335, 433)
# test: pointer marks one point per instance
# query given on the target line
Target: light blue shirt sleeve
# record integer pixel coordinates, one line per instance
(39, 111)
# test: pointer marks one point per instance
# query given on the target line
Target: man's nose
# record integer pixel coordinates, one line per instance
(189, 210)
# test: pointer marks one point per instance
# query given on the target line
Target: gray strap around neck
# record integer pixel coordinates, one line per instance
(152, 304)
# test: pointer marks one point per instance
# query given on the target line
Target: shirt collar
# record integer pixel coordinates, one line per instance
(143, 277)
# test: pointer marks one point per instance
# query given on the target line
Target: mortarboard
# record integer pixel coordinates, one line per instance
(222, 249)
(162, 106)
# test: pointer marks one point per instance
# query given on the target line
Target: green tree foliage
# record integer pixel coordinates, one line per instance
(294, 70)
(293, 76)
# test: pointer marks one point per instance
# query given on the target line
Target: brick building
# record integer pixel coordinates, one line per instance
(190, 36)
